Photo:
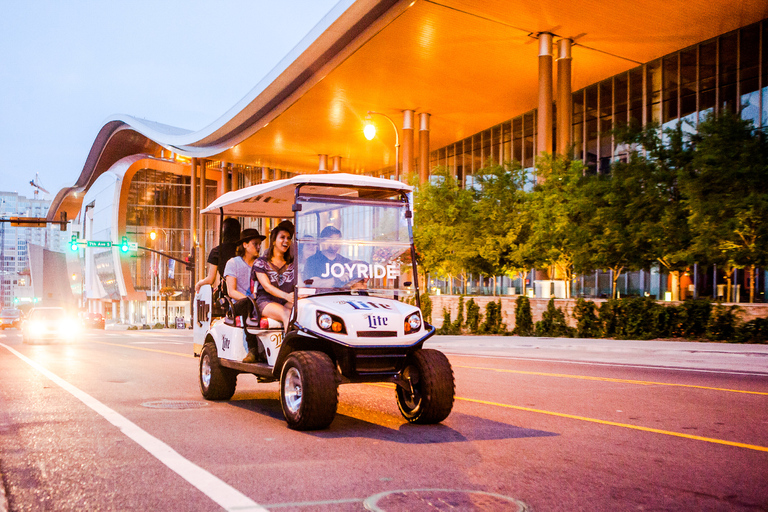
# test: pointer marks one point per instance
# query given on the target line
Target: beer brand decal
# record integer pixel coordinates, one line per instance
(360, 271)
(365, 305)
(225, 343)
(276, 339)
(376, 321)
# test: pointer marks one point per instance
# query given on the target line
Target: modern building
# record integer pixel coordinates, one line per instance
(463, 82)
(16, 279)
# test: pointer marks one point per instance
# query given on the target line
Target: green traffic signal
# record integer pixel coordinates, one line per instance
(73, 243)
(124, 244)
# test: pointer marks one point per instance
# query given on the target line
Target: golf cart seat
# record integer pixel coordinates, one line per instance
(253, 320)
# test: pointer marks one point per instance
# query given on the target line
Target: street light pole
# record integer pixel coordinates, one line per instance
(397, 140)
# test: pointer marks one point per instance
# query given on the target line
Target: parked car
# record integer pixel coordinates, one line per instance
(10, 317)
(93, 320)
(49, 324)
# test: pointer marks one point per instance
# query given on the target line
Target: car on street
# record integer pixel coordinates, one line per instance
(93, 320)
(10, 317)
(50, 324)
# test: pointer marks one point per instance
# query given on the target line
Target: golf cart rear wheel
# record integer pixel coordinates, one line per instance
(216, 382)
(428, 397)
(308, 390)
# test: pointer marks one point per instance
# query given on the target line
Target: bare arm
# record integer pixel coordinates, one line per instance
(209, 279)
(232, 290)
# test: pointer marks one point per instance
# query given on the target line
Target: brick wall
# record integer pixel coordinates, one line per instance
(538, 306)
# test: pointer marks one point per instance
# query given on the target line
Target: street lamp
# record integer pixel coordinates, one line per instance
(370, 132)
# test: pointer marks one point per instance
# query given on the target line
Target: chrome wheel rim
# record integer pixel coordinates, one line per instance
(292, 390)
(205, 370)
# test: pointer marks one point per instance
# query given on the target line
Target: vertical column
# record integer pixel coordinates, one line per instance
(226, 184)
(336, 164)
(193, 220)
(544, 124)
(564, 96)
(407, 143)
(423, 147)
(322, 165)
(201, 238)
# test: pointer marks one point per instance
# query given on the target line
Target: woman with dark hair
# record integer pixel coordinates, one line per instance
(273, 276)
(219, 255)
(237, 272)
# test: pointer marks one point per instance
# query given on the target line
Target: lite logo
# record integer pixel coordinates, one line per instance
(225, 343)
(359, 304)
(375, 321)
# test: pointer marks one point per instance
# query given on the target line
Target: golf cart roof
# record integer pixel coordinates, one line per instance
(275, 199)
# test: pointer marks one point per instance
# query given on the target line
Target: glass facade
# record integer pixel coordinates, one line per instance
(729, 72)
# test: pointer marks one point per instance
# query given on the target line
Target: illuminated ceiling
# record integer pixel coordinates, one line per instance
(471, 64)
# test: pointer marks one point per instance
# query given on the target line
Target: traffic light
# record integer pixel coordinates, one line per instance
(124, 244)
(73, 243)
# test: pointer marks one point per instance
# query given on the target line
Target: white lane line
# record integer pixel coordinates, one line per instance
(216, 489)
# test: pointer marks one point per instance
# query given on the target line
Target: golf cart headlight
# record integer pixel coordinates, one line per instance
(412, 322)
(324, 321)
(331, 323)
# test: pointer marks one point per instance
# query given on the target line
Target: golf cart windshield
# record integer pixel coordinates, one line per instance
(353, 244)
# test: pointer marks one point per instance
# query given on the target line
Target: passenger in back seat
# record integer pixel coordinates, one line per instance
(273, 276)
(238, 270)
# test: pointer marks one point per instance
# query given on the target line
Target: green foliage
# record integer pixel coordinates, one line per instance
(587, 323)
(493, 320)
(159, 325)
(426, 307)
(443, 224)
(133, 328)
(473, 316)
(457, 324)
(523, 317)
(633, 319)
(557, 213)
(553, 324)
(754, 331)
(693, 318)
(723, 323)
(447, 327)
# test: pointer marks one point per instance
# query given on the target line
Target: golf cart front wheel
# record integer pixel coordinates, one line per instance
(309, 393)
(425, 394)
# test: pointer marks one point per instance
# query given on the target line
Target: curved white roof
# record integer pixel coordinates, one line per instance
(275, 199)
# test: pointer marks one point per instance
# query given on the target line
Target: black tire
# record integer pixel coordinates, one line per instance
(216, 382)
(431, 376)
(309, 393)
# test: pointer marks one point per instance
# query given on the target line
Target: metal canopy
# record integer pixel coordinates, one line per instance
(275, 199)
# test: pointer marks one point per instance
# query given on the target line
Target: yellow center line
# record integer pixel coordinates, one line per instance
(605, 422)
(142, 348)
(608, 379)
(624, 425)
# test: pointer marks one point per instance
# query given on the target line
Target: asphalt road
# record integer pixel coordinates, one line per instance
(116, 421)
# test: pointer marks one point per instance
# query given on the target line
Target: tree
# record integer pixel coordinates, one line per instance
(618, 227)
(665, 222)
(557, 218)
(499, 218)
(727, 189)
(165, 292)
(442, 226)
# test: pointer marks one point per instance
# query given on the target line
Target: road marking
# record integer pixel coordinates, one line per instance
(602, 422)
(143, 348)
(624, 425)
(609, 379)
(216, 489)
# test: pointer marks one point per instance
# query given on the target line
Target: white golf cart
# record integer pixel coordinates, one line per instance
(356, 315)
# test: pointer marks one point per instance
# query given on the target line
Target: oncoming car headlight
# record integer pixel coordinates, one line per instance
(412, 323)
(330, 323)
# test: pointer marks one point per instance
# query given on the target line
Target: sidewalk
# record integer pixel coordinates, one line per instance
(705, 356)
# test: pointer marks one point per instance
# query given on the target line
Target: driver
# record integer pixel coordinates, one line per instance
(319, 263)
